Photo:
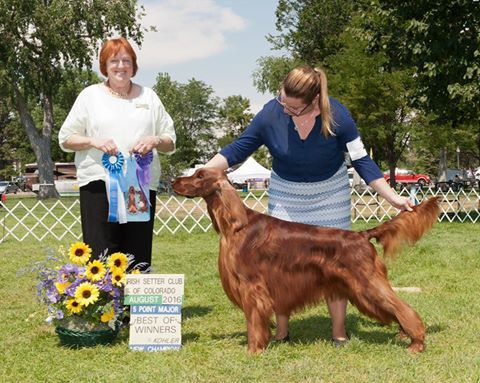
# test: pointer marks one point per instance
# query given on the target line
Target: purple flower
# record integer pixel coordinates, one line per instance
(59, 314)
(70, 290)
(66, 271)
(117, 299)
(106, 283)
(52, 295)
(117, 292)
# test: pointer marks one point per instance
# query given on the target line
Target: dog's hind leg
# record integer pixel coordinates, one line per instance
(411, 325)
(257, 307)
(379, 301)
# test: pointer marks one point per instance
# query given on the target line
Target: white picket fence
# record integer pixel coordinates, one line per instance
(22, 219)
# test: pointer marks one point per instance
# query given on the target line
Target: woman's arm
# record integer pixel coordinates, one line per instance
(77, 142)
(218, 161)
(162, 143)
(165, 144)
(383, 188)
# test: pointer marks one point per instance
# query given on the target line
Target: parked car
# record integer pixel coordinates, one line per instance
(8, 187)
(408, 178)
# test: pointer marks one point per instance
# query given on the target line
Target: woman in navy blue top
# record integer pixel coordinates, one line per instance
(308, 133)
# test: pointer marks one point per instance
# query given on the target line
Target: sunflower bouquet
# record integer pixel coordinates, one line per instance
(84, 294)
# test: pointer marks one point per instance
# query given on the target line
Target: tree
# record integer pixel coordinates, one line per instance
(15, 150)
(41, 39)
(440, 138)
(440, 40)
(14, 147)
(6, 121)
(271, 72)
(310, 30)
(233, 118)
(378, 100)
(193, 108)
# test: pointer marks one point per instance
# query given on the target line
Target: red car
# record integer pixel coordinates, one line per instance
(409, 177)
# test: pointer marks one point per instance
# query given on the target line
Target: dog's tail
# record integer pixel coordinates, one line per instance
(406, 228)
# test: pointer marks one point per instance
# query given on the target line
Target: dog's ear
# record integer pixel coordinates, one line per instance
(213, 219)
(235, 213)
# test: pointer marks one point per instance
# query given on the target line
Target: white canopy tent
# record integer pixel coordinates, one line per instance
(190, 171)
(249, 170)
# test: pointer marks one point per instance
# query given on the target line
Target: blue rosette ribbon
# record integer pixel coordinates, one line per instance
(144, 175)
(116, 186)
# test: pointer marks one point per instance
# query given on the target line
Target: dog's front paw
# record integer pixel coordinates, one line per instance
(416, 347)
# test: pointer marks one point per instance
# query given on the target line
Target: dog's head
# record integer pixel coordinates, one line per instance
(203, 182)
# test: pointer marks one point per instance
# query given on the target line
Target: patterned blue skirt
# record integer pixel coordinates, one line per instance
(324, 203)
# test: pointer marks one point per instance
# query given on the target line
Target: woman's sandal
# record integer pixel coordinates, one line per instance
(285, 339)
(340, 342)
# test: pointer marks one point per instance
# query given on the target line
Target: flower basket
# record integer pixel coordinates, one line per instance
(78, 339)
(77, 332)
(84, 296)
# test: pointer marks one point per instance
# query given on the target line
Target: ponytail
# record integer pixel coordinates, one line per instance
(324, 104)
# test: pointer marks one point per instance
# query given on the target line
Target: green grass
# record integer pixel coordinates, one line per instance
(445, 265)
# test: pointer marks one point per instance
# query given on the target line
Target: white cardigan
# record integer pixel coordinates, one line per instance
(97, 113)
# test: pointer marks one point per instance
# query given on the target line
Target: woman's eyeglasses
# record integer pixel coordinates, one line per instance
(116, 62)
(293, 111)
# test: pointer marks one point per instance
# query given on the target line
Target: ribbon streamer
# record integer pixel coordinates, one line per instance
(115, 187)
(143, 173)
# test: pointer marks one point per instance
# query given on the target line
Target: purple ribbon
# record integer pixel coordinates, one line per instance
(143, 173)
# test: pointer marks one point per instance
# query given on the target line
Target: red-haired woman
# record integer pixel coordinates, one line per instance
(115, 116)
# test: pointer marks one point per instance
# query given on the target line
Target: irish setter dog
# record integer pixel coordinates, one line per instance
(268, 265)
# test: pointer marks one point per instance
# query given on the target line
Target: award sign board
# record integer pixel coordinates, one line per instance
(155, 311)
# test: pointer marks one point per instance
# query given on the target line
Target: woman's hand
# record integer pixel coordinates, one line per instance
(145, 144)
(106, 145)
(402, 203)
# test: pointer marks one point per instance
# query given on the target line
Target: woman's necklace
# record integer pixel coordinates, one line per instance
(119, 94)
(304, 124)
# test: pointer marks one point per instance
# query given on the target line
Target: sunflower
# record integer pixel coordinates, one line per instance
(61, 286)
(95, 270)
(118, 261)
(86, 293)
(135, 271)
(80, 253)
(108, 315)
(73, 306)
(118, 277)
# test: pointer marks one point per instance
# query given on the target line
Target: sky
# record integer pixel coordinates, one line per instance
(214, 41)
